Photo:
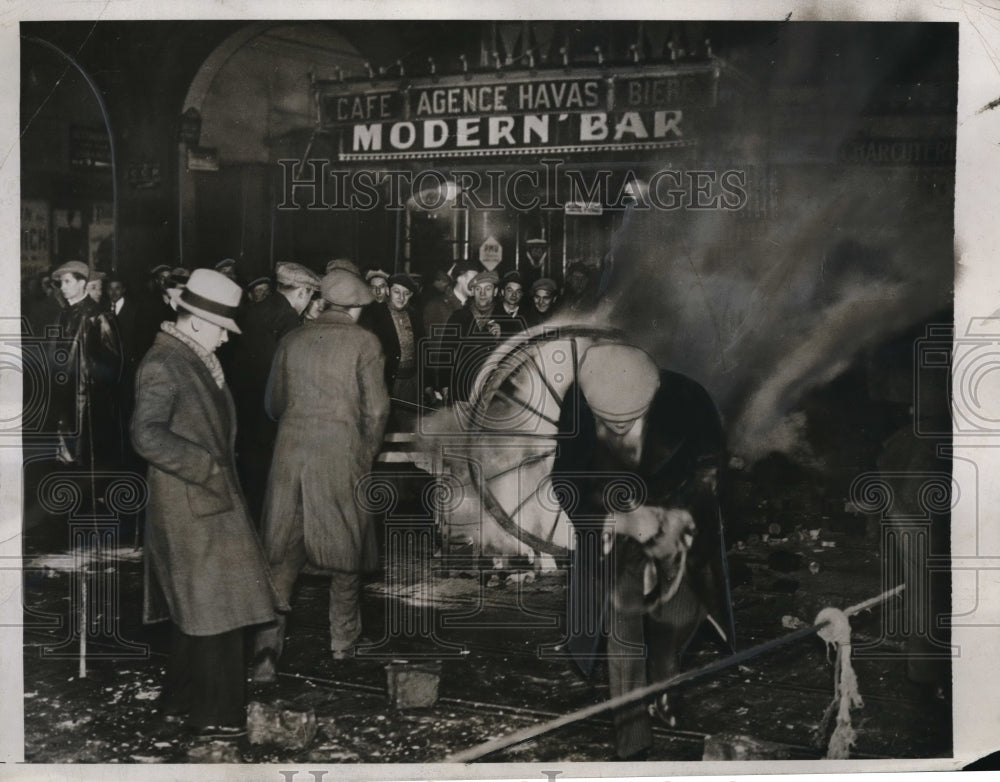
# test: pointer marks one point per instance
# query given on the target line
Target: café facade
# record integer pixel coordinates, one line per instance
(416, 145)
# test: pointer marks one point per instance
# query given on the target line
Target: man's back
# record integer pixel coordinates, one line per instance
(322, 374)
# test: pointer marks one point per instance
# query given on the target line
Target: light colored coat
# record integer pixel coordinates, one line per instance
(327, 391)
(204, 567)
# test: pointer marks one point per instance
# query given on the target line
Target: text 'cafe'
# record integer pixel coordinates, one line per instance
(615, 118)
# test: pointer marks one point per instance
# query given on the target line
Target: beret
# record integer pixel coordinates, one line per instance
(405, 280)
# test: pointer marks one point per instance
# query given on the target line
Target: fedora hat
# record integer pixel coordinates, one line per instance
(211, 296)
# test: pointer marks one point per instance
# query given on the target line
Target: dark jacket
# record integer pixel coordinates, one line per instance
(467, 343)
(438, 309)
(129, 326)
(86, 403)
(378, 319)
(682, 455)
(204, 565)
(249, 364)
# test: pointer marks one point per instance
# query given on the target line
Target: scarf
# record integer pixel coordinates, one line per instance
(209, 359)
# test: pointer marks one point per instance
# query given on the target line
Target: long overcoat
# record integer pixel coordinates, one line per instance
(205, 568)
(327, 391)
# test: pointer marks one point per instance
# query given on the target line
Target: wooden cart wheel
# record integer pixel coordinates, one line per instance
(514, 411)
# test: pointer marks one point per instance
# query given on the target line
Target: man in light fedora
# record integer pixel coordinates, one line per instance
(205, 570)
(327, 391)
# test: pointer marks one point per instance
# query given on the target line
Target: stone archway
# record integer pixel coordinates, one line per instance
(252, 93)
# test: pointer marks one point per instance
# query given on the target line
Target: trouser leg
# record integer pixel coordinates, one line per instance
(626, 652)
(218, 679)
(627, 672)
(271, 637)
(178, 689)
(345, 610)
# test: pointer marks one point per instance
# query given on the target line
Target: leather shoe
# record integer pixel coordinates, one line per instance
(265, 667)
(219, 732)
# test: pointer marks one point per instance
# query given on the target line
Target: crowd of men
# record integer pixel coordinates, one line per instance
(255, 430)
(112, 327)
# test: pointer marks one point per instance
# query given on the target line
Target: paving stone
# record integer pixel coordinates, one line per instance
(281, 724)
(214, 752)
(733, 746)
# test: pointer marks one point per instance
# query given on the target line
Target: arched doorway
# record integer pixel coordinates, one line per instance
(68, 193)
(250, 105)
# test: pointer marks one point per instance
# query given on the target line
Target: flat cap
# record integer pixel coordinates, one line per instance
(405, 280)
(544, 284)
(511, 276)
(225, 263)
(373, 273)
(259, 281)
(485, 277)
(78, 268)
(345, 289)
(343, 263)
(618, 381)
(296, 275)
(159, 268)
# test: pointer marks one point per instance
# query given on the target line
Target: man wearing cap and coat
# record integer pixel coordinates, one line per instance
(263, 326)
(327, 392)
(544, 293)
(438, 309)
(469, 336)
(86, 408)
(399, 331)
(204, 566)
(642, 454)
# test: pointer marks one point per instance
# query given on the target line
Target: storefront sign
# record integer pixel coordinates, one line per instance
(89, 148)
(490, 253)
(899, 151)
(518, 112)
(590, 208)
(537, 251)
(35, 247)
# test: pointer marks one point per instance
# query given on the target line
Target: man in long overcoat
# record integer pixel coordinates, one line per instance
(643, 455)
(204, 567)
(87, 409)
(327, 391)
